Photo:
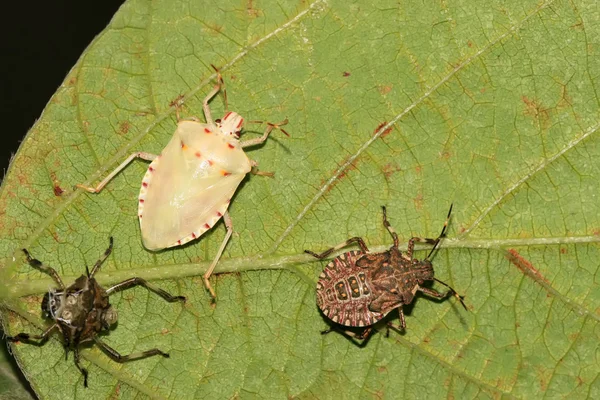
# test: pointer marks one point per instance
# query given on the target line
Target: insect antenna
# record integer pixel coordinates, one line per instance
(459, 297)
(277, 125)
(222, 85)
(442, 234)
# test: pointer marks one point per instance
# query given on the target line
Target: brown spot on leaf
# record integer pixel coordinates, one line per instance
(385, 89)
(58, 191)
(563, 250)
(349, 167)
(469, 43)
(346, 74)
(390, 169)
(73, 81)
(386, 132)
(56, 186)
(445, 155)
(252, 12)
(577, 26)
(525, 266)
(124, 127)
(418, 202)
(535, 110)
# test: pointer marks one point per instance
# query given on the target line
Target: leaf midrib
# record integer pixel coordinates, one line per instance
(25, 287)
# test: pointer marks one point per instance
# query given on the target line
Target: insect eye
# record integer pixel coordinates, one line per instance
(218, 120)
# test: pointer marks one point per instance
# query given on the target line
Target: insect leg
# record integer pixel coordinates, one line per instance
(27, 338)
(270, 127)
(208, 273)
(389, 228)
(212, 94)
(129, 283)
(101, 259)
(37, 264)
(438, 295)
(139, 154)
(80, 368)
(116, 356)
(354, 337)
(358, 240)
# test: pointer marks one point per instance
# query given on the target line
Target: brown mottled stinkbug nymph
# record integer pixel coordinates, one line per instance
(82, 311)
(359, 288)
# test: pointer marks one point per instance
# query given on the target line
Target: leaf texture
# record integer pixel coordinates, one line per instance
(492, 107)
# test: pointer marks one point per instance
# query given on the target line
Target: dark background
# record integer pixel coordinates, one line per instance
(41, 41)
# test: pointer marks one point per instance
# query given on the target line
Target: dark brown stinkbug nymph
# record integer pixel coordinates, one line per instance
(81, 311)
(359, 288)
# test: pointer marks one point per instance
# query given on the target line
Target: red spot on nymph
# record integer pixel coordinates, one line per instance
(228, 201)
(144, 184)
(207, 226)
(219, 214)
(210, 162)
(206, 130)
(140, 216)
(150, 169)
(197, 154)
(141, 200)
(179, 242)
(193, 235)
(225, 173)
(227, 115)
(240, 123)
(231, 146)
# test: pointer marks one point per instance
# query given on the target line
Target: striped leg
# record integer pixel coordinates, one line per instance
(37, 264)
(451, 292)
(83, 371)
(129, 283)
(389, 227)
(358, 240)
(116, 356)
(28, 338)
(101, 259)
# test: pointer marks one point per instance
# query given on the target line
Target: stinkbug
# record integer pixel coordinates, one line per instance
(359, 288)
(82, 311)
(188, 187)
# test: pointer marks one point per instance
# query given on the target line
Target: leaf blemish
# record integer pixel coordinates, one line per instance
(535, 110)
(389, 169)
(385, 132)
(124, 127)
(525, 266)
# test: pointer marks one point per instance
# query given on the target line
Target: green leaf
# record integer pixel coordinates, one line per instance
(494, 108)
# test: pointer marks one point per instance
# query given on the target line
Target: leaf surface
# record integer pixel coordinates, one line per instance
(491, 107)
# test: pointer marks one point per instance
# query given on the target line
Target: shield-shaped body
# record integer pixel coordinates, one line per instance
(187, 189)
(358, 289)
